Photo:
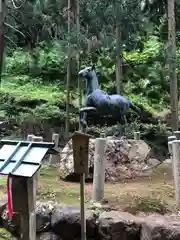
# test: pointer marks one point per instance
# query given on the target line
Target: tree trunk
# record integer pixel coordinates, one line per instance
(172, 65)
(2, 19)
(68, 71)
(118, 59)
(78, 51)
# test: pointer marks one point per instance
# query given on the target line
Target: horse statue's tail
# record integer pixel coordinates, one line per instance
(135, 108)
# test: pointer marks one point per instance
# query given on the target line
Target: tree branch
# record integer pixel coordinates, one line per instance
(17, 7)
(16, 30)
(10, 40)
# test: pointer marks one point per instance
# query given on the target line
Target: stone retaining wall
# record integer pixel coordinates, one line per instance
(55, 222)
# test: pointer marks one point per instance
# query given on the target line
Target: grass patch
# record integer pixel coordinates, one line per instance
(53, 189)
(33, 101)
(63, 196)
(3, 180)
(4, 234)
(30, 90)
(149, 204)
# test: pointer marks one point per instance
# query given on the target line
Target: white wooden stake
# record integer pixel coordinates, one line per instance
(30, 137)
(53, 159)
(177, 134)
(176, 168)
(170, 140)
(99, 169)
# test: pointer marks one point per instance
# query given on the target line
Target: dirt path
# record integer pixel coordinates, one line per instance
(155, 193)
(148, 194)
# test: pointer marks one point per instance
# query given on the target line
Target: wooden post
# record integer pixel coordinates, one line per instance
(27, 215)
(99, 169)
(53, 159)
(136, 135)
(82, 205)
(37, 176)
(24, 203)
(80, 154)
(170, 140)
(177, 134)
(176, 168)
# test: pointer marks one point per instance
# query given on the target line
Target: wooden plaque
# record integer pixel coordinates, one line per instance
(80, 152)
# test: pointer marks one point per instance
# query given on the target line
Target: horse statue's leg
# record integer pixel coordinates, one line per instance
(83, 117)
(122, 123)
(83, 120)
(124, 126)
(83, 114)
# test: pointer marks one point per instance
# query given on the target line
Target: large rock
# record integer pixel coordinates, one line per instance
(120, 225)
(116, 225)
(124, 158)
(44, 215)
(160, 228)
(48, 236)
(67, 220)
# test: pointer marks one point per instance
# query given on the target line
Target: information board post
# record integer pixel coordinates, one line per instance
(80, 153)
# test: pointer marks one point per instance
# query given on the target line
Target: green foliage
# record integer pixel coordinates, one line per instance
(35, 79)
(149, 204)
(46, 113)
(51, 60)
(144, 74)
(5, 234)
(18, 63)
(34, 102)
(152, 50)
(30, 96)
(48, 60)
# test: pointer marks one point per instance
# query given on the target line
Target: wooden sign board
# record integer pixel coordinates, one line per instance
(80, 152)
(19, 189)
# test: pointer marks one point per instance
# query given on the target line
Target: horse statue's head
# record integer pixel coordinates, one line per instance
(87, 73)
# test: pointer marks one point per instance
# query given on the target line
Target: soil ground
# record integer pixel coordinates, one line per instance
(156, 191)
(144, 195)
(148, 194)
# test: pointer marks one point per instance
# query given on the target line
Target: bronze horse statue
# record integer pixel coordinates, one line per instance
(104, 104)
